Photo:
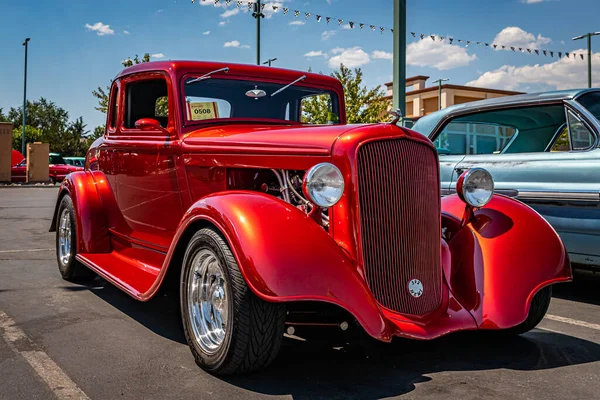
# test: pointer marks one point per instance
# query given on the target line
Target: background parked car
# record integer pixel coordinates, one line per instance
(77, 161)
(540, 148)
(58, 169)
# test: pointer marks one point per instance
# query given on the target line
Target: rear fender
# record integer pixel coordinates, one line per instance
(92, 228)
(501, 259)
(284, 255)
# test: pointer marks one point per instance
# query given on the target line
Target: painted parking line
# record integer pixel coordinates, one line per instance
(572, 321)
(61, 385)
(24, 251)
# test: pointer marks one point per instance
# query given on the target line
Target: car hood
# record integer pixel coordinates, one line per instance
(301, 139)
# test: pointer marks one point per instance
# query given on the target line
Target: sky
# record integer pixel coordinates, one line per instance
(77, 46)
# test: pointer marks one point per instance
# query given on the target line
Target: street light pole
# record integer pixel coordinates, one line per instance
(258, 15)
(589, 53)
(269, 61)
(24, 99)
(399, 63)
(439, 81)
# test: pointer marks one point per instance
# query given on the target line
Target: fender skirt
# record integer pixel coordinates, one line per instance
(501, 259)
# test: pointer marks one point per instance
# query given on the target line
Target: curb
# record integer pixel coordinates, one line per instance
(29, 186)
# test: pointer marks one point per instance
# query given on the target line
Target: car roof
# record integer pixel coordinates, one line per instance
(430, 121)
(234, 69)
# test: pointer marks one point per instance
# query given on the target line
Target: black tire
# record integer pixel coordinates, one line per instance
(70, 269)
(537, 311)
(254, 327)
(53, 180)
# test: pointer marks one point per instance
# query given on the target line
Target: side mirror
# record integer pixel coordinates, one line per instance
(148, 124)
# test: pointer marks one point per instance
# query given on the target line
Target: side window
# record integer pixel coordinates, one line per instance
(114, 111)
(562, 142)
(146, 99)
(464, 138)
(317, 109)
(579, 135)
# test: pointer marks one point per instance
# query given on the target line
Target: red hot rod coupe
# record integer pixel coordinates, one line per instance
(270, 214)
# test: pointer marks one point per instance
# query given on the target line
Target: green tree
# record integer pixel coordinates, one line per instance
(363, 105)
(31, 135)
(102, 93)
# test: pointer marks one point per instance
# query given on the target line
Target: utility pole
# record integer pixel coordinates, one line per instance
(589, 53)
(399, 84)
(258, 15)
(269, 61)
(439, 81)
(24, 99)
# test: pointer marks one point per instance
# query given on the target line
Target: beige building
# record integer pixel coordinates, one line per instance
(422, 100)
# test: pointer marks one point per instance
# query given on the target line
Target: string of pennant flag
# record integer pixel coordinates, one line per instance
(375, 28)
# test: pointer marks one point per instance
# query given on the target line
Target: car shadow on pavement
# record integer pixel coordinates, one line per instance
(160, 314)
(368, 369)
(375, 370)
(583, 289)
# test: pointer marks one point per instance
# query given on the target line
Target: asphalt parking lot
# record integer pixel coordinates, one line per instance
(59, 339)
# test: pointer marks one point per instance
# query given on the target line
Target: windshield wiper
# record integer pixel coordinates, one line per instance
(207, 75)
(303, 77)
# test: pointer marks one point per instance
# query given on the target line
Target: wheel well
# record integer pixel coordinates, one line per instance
(171, 281)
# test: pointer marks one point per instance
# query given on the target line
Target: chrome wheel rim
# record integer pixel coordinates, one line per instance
(207, 301)
(64, 237)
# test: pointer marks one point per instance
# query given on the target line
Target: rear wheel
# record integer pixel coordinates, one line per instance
(537, 311)
(228, 329)
(66, 239)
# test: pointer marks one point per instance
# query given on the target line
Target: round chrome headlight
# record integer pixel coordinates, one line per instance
(323, 184)
(475, 187)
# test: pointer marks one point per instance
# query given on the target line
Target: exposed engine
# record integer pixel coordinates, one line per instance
(283, 184)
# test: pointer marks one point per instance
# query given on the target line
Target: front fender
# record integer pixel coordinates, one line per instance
(501, 259)
(91, 224)
(284, 255)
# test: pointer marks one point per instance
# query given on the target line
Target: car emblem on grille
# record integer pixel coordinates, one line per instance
(415, 288)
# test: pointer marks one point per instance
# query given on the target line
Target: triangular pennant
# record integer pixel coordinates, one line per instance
(361, 25)
(537, 52)
(327, 19)
(567, 54)
(559, 54)
(468, 43)
(413, 34)
(551, 54)
(442, 38)
(495, 45)
(262, 7)
(421, 35)
(351, 24)
(512, 48)
(520, 49)
(432, 37)
(306, 15)
(216, 2)
(319, 18)
(340, 21)
(581, 55)
(275, 8)
(373, 27)
(529, 51)
(487, 45)
(479, 43)
(296, 13)
(545, 52)
(250, 5)
(239, 3)
(503, 47)
(451, 40)
(382, 29)
(285, 10)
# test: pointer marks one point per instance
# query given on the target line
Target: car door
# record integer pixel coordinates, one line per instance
(144, 164)
(555, 174)
(19, 172)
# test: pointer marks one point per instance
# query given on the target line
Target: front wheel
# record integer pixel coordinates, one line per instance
(537, 311)
(228, 329)
(66, 244)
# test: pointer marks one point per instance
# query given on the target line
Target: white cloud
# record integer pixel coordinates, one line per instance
(565, 73)
(206, 33)
(327, 35)
(337, 50)
(222, 23)
(351, 58)
(297, 22)
(207, 3)
(381, 55)
(346, 27)
(532, 1)
(125, 32)
(159, 11)
(235, 43)
(315, 53)
(100, 29)
(517, 37)
(157, 55)
(436, 54)
(230, 13)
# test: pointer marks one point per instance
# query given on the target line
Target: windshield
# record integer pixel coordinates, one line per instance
(591, 101)
(56, 159)
(219, 99)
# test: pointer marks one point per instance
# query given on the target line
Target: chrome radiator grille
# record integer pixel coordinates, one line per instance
(399, 200)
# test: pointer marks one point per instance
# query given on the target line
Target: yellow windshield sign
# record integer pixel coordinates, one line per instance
(200, 110)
